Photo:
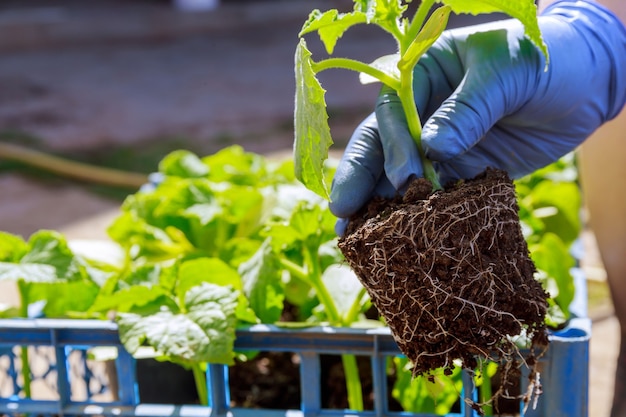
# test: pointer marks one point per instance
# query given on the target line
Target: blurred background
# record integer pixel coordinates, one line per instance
(118, 84)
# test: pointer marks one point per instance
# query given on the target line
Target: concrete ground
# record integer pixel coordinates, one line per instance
(83, 76)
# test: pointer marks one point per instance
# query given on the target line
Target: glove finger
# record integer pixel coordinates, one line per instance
(382, 189)
(359, 170)
(402, 160)
(436, 75)
(340, 226)
(480, 100)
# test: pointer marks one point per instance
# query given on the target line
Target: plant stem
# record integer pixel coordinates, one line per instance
(26, 371)
(407, 98)
(199, 376)
(315, 278)
(24, 349)
(416, 24)
(485, 391)
(294, 269)
(354, 65)
(353, 382)
(355, 308)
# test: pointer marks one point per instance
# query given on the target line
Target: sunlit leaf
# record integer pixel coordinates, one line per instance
(523, 10)
(331, 25)
(205, 333)
(312, 133)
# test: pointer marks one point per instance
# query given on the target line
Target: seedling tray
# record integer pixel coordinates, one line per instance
(564, 376)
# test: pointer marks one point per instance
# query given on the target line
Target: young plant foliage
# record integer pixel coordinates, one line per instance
(413, 36)
(279, 247)
(449, 271)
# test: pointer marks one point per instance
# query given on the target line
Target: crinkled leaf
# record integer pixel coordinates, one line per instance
(312, 133)
(262, 284)
(51, 248)
(384, 13)
(205, 333)
(215, 271)
(523, 10)
(331, 25)
(47, 258)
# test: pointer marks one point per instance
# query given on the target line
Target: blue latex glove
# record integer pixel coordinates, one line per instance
(489, 101)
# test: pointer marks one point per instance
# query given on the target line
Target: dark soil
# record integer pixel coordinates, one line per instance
(271, 380)
(450, 273)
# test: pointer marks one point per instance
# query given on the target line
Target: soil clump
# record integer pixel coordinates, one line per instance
(451, 274)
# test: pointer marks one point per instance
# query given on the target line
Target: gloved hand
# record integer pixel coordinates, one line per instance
(489, 101)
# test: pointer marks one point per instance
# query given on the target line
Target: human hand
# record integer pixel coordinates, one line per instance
(489, 101)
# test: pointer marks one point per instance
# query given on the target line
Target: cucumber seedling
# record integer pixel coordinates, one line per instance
(448, 270)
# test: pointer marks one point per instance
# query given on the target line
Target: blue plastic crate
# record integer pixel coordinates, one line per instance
(564, 373)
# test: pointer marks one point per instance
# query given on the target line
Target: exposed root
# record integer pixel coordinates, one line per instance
(451, 275)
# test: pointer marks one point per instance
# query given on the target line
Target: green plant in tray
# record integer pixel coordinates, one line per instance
(276, 243)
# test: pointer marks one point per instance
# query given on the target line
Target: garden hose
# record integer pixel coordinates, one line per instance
(72, 169)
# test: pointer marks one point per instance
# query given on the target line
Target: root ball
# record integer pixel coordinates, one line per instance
(450, 272)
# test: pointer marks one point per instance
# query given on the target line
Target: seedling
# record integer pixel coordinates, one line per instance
(413, 36)
(450, 274)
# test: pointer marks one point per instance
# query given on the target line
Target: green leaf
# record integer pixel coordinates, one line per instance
(312, 133)
(343, 285)
(331, 25)
(387, 64)
(384, 13)
(184, 164)
(262, 284)
(557, 205)
(235, 166)
(47, 258)
(211, 270)
(140, 238)
(215, 271)
(206, 333)
(309, 224)
(50, 248)
(61, 298)
(12, 247)
(551, 256)
(136, 299)
(523, 10)
(431, 31)
(419, 395)
(28, 272)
